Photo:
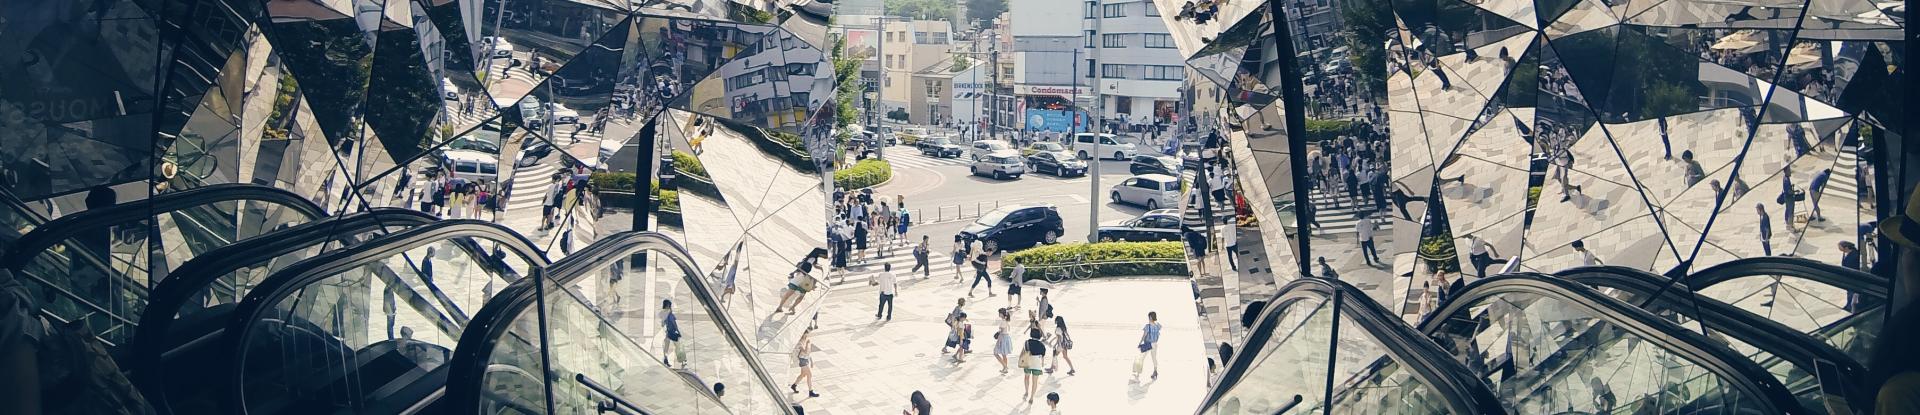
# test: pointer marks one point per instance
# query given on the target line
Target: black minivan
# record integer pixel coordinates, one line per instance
(1015, 227)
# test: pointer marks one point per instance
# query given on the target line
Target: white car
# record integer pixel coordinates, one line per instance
(448, 90)
(984, 148)
(1085, 146)
(473, 165)
(1000, 165)
(563, 115)
(499, 47)
(1151, 190)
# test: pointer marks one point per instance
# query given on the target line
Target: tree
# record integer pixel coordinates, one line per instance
(921, 9)
(986, 9)
(846, 72)
(1367, 25)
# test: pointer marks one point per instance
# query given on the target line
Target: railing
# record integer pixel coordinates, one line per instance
(958, 212)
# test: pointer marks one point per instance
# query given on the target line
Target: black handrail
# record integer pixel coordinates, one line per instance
(1776, 339)
(1433, 365)
(1741, 372)
(491, 324)
(1871, 287)
(294, 278)
(152, 337)
(66, 227)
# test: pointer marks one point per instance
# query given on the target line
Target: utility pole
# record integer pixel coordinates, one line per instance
(1097, 118)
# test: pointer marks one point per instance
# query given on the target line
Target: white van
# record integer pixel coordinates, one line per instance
(1085, 146)
(472, 165)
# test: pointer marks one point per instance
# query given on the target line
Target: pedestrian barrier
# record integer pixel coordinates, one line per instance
(951, 213)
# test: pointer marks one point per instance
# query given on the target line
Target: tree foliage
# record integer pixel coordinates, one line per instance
(1367, 25)
(846, 72)
(985, 9)
(921, 9)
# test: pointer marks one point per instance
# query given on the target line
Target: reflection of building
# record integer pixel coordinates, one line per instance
(906, 48)
(773, 82)
(1315, 24)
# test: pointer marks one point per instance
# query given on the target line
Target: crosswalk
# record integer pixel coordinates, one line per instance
(901, 257)
(903, 156)
(1845, 171)
(1338, 215)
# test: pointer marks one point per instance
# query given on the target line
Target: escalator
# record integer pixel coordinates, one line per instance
(1818, 374)
(1549, 345)
(1841, 306)
(98, 265)
(188, 310)
(568, 342)
(366, 330)
(1322, 346)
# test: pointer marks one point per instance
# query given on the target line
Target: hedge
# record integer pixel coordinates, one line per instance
(669, 199)
(1164, 258)
(615, 181)
(689, 164)
(1322, 130)
(866, 173)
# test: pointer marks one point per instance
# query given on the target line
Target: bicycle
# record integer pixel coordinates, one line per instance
(1079, 269)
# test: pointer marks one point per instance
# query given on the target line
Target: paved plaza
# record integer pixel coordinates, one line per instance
(865, 366)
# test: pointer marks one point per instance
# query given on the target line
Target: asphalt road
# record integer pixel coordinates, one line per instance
(939, 190)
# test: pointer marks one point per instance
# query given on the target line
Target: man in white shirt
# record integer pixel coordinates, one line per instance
(1366, 228)
(1230, 239)
(1481, 253)
(886, 281)
(1586, 257)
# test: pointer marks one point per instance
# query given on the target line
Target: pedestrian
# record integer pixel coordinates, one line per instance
(426, 267)
(887, 283)
(1694, 173)
(799, 282)
(860, 240)
(1665, 142)
(1789, 197)
(1045, 305)
(1481, 254)
(1586, 257)
(1062, 342)
(1815, 188)
(1014, 283)
(1053, 403)
(1326, 271)
(1230, 238)
(953, 323)
(980, 273)
(1766, 229)
(1003, 339)
(803, 355)
(959, 257)
(1197, 248)
(917, 404)
(1033, 358)
(1365, 229)
(920, 256)
(1149, 346)
(670, 348)
(902, 221)
(963, 331)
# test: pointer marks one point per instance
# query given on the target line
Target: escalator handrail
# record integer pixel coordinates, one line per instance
(66, 227)
(1412, 350)
(291, 280)
(491, 324)
(1873, 287)
(1740, 371)
(152, 336)
(1777, 339)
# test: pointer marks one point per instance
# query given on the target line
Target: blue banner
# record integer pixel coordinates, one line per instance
(1059, 121)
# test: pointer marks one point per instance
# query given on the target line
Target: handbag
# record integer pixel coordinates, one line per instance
(805, 281)
(1144, 347)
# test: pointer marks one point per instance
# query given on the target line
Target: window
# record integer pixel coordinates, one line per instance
(889, 82)
(1114, 40)
(939, 38)
(920, 38)
(1159, 40)
(890, 37)
(1151, 11)
(1087, 36)
(890, 61)
(1091, 7)
(1116, 10)
(1114, 71)
(1165, 73)
(1089, 67)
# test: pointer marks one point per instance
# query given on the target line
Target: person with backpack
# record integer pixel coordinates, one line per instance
(953, 318)
(902, 221)
(964, 332)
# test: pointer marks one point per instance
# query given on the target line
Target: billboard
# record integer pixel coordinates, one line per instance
(863, 43)
(1059, 121)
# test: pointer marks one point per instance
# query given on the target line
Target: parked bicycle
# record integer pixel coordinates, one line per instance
(1078, 269)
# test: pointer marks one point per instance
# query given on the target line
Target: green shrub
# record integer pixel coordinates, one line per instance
(1322, 130)
(689, 164)
(614, 181)
(864, 174)
(1147, 258)
(669, 199)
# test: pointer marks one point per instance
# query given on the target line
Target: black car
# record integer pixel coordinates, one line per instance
(1057, 163)
(1146, 164)
(940, 147)
(1017, 227)
(1158, 225)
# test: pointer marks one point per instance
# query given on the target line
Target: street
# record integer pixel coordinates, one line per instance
(944, 197)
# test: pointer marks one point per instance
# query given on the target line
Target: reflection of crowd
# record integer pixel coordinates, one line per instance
(1199, 11)
(454, 197)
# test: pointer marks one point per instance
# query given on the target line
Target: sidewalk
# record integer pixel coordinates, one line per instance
(868, 367)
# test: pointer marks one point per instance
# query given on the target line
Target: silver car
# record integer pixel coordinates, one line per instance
(1000, 165)
(1151, 190)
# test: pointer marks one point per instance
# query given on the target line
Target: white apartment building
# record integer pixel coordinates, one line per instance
(1137, 74)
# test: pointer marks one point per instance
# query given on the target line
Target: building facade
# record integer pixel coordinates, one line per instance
(908, 47)
(1135, 75)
